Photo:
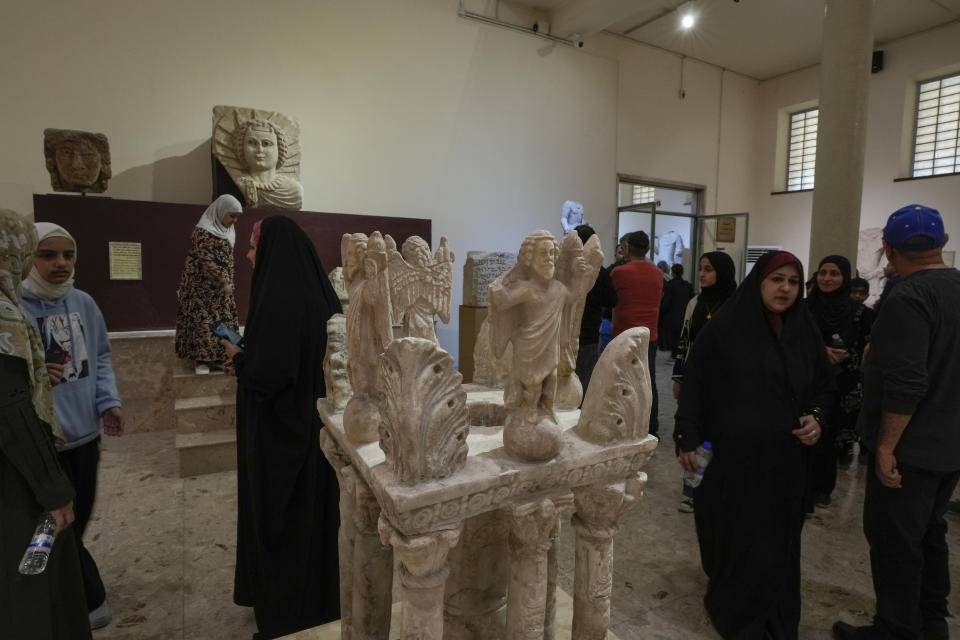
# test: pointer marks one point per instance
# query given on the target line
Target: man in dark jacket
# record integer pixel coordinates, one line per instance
(910, 424)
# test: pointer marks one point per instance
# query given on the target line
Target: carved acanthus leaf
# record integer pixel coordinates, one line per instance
(617, 406)
(424, 424)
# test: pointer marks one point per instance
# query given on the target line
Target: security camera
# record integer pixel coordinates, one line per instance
(580, 44)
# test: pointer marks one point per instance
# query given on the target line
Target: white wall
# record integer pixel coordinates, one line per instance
(784, 219)
(405, 108)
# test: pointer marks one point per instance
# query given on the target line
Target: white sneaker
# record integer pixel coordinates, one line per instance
(202, 369)
(101, 616)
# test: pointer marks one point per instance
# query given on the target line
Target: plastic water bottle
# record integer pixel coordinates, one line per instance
(704, 454)
(35, 558)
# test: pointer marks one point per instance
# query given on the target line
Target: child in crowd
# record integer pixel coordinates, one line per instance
(74, 336)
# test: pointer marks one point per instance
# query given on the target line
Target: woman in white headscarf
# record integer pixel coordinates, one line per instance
(206, 286)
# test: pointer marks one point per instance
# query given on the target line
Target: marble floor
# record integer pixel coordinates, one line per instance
(166, 548)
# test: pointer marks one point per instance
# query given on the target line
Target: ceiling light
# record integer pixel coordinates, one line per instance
(687, 21)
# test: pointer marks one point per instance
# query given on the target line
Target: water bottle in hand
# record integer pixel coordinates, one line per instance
(35, 558)
(704, 454)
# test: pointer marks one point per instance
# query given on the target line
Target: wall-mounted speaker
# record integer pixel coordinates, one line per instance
(876, 64)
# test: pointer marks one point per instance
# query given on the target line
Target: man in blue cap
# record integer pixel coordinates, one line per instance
(910, 424)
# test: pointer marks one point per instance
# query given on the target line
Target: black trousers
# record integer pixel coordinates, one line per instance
(908, 552)
(655, 406)
(81, 465)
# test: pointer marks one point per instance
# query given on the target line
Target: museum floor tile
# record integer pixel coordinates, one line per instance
(166, 548)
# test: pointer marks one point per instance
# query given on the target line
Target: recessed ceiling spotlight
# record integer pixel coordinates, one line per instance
(688, 20)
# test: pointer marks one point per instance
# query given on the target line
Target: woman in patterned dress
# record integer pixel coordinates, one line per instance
(206, 286)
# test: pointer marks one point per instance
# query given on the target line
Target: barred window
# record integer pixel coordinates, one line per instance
(936, 146)
(643, 194)
(802, 149)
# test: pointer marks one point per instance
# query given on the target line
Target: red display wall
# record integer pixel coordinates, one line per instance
(163, 230)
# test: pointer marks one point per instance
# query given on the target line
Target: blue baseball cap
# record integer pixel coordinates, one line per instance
(914, 228)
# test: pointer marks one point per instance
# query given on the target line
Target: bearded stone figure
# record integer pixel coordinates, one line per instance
(78, 161)
(261, 152)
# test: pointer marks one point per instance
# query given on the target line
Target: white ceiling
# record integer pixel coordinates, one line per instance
(758, 38)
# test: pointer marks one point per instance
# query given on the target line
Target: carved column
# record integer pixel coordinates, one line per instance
(532, 527)
(423, 574)
(372, 570)
(345, 535)
(599, 509)
(550, 608)
(476, 591)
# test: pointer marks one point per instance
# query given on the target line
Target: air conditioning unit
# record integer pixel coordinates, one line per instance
(753, 254)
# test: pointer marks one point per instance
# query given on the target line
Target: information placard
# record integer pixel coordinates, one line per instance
(126, 262)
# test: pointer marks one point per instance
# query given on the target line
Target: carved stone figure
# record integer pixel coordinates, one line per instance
(423, 425)
(78, 161)
(261, 152)
(336, 279)
(526, 308)
(488, 369)
(575, 261)
(480, 269)
(571, 216)
(617, 407)
(872, 262)
(335, 362)
(368, 328)
(420, 286)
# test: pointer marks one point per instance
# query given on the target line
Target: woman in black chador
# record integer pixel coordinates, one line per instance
(845, 328)
(287, 512)
(756, 386)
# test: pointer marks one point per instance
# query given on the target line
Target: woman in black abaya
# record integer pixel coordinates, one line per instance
(757, 382)
(287, 513)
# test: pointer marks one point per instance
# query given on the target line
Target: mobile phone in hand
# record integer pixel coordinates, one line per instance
(223, 331)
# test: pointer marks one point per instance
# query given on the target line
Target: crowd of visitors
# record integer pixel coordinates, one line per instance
(783, 385)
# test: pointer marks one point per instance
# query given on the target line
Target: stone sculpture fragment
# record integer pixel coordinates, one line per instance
(335, 362)
(261, 152)
(423, 424)
(78, 161)
(368, 328)
(420, 285)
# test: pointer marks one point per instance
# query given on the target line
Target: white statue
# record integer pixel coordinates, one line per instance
(526, 309)
(368, 328)
(668, 247)
(872, 262)
(420, 285)
(571, 216)
(261, 152)
(575, 264)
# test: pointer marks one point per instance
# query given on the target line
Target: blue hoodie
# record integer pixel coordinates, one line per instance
(88, 388)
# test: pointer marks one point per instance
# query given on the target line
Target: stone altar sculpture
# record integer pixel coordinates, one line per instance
(452, 535)
(335, 376)
(575, 259)
(872, 262)
(368, 328)
(526, 308)
(420, 285)
(571, 216)
(261, 152)
(78, 161)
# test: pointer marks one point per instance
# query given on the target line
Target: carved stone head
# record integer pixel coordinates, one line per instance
(260, 145)
(78, 161)
(538, 254)
(416, 251)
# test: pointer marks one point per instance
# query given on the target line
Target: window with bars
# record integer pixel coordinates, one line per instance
(936, 141)
(643, 194)
(802, 149)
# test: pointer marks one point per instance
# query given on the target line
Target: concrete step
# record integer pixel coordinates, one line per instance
(205, 413)
(214, 383)
(208, 452)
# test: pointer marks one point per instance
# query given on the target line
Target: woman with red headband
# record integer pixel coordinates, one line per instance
(756, 387)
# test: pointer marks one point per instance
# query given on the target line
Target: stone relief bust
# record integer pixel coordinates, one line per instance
(261, 152)
(571, 216)
(78, 161)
